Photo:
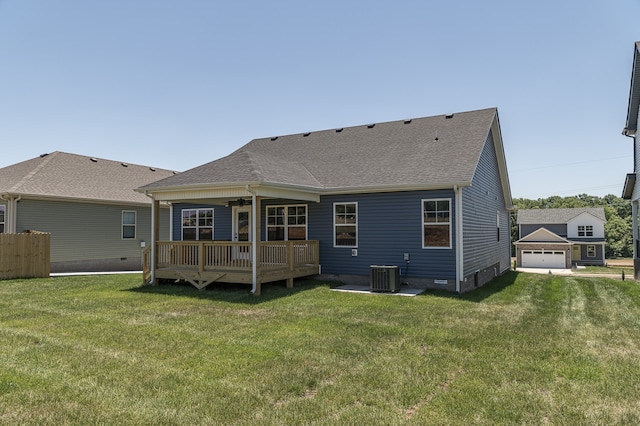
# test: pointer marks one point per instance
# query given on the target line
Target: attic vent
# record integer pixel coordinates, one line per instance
(371, 125)
(93, 160)
(339, 130)
(407, 121)
(274, 138)
(306, 134)
(124, 164)
(44, 155)
(153, 169)
(448, 116)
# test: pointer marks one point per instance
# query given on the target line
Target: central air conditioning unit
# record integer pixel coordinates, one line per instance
(385, 278)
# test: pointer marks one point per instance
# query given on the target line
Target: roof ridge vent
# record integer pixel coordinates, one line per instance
(273, 138)
(448, 116)
(407, 121)
(305, 134)
(44, 155)
(124, 164)
(339, 129)
(94, 160)
(153, 169)
(371, 126)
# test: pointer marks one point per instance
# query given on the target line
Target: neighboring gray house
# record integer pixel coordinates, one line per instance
(631, 190)
(96, 220)
(430, 196)
(560, 238)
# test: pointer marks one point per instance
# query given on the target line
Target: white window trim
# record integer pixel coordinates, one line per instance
(197, 227)
(450, 223)
(595, 251)
(4, 217)
(286, 222)
(333, 212)
(135, 225)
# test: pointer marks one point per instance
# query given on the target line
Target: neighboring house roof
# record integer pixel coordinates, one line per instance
(556, 216)
(71, 176)
(428, 152)
(631, 125)
(543, 236)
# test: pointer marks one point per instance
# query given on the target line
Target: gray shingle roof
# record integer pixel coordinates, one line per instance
(556, 216)
(64, 175)
(397, 153)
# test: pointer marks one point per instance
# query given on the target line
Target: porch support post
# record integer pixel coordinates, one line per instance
(155, 232)
(255, 225)
(290, 263)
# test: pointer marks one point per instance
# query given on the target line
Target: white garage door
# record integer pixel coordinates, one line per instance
(542, 259)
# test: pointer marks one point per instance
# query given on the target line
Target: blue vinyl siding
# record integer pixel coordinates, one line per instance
(221, 220)
(389, 225)
(482, 202)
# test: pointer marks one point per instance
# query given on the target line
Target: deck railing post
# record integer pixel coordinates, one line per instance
(201, 257)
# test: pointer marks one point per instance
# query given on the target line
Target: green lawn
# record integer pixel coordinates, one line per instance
(628, 271)
(526, 349)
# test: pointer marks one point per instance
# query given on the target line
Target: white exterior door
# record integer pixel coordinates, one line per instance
(543, 259)
(242, 230)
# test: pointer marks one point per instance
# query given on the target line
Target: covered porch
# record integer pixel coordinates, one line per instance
(244, 256)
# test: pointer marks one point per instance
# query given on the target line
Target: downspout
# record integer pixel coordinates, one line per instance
(459, 243)
(153, 237)
(153, 240)
(254, 244)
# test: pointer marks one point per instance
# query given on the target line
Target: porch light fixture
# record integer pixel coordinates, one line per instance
(241, 202)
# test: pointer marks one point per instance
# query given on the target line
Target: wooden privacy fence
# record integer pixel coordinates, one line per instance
(25, 255)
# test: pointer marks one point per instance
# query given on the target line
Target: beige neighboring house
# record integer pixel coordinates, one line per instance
(96, 220)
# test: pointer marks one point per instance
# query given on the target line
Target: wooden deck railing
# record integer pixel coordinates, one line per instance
(226, 255)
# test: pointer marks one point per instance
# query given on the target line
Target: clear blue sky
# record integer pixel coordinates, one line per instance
(175, 84)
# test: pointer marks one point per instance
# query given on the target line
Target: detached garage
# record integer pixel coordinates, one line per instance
(543, 249)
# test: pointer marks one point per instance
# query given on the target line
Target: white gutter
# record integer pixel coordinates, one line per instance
(459, 241)
(254, 244)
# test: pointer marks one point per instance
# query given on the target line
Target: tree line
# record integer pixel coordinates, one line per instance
(617, 231)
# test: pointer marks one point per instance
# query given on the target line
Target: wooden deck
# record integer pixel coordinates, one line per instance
(204, 262)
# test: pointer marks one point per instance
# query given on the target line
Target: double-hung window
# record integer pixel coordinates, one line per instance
(585, 230)
(345, 224)
(286, 223)
(197, 224)
(2, 219)
(436, 223)
(129, 224)
(591, 251)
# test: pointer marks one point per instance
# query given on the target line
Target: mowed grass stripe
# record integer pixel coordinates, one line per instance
(524, 349)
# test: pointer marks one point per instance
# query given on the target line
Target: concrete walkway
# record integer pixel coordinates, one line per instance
(365, 289)
(572, 272)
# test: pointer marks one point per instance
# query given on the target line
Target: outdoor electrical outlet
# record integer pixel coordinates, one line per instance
(354, 252)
